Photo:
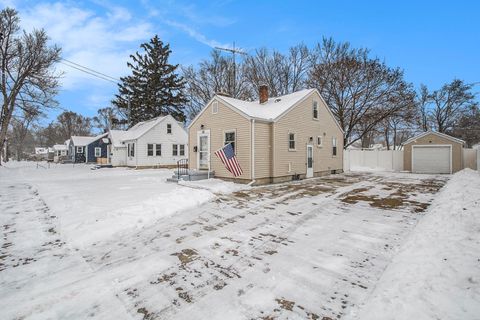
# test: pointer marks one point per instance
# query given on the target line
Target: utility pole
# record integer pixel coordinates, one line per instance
(233, 51)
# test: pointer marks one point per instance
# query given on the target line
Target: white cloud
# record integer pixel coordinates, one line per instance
(195, 34)
(100, 42)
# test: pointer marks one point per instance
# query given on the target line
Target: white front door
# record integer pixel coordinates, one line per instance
(309, 161)
(203, 154)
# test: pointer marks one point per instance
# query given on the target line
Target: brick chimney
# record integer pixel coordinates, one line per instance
(263, 93)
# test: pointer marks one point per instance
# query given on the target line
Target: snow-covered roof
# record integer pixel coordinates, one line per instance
(269, 110)
(59, 147)
(41, 150)
(141, 128)
(116, 137)
(81, 141)
(442, 135)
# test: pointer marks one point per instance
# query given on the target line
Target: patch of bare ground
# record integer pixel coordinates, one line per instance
(399, 196)
(186, 256)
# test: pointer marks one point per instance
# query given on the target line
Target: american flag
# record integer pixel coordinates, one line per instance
(227, 155)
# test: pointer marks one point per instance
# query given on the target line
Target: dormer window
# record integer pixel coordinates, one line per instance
(315, 110)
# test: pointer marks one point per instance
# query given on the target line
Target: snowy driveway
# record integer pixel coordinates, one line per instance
(307, 250)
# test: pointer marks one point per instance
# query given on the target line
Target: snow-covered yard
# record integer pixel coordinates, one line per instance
(123, 244)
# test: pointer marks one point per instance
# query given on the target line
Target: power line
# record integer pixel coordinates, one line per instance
(89, 71)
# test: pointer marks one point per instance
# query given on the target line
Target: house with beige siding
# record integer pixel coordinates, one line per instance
(284, 138)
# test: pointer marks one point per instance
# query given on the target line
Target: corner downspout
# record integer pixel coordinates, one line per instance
(252, 155)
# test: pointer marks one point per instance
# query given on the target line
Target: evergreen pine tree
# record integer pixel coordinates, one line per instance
(154, 88)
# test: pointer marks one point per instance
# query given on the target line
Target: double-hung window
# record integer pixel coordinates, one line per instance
(169, 128)
(175, 150)
(291, 141)
(79, 149)
(98, 152)
(334, 146)
(150, 150)
(182, 149)
(230, 137)
(131, 149)
(158, 150)
(315, 110)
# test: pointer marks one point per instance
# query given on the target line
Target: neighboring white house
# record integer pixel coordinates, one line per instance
(117, 150)
(60, 152)
(160, 142)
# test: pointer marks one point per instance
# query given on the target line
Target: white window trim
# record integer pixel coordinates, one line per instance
(179, 153)
(334, 145)
(153, 149)
(315, 104)
(321, 141)
(79, 148)
(234, 141)
(215, 107)
(294, 139)
(171, 128)
(95, 152)
(178, 150)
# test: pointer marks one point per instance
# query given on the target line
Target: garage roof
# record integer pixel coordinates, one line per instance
(442, 135)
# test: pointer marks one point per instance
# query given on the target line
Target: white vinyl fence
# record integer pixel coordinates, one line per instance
(470, 158)
(381, 160)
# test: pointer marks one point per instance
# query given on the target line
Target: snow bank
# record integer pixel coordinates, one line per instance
(436, 274)
(215, 185)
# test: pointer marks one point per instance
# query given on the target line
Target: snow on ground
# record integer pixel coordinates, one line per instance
(215, 185)
(123, 244)
(436, 274)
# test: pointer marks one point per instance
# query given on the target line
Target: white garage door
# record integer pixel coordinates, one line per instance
(431, 159)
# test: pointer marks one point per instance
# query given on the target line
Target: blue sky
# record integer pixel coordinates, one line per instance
(433, 41)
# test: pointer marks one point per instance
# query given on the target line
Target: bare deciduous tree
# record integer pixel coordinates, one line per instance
(26, 62)
(104, 118)
(449, 103)
(211, 77)
(361, 91)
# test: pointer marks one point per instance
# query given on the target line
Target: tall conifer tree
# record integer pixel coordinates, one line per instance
(154, 88)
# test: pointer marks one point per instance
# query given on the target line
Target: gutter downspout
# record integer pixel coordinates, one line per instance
(252, 155)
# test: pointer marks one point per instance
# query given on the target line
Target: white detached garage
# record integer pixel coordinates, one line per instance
(433, 152)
